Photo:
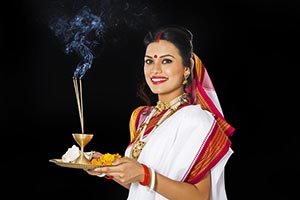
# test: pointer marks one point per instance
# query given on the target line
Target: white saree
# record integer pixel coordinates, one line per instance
(172, 150)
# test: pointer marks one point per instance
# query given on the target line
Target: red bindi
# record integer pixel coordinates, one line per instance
(155, 56)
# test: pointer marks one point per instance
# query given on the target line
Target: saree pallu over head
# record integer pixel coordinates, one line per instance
(203, 92)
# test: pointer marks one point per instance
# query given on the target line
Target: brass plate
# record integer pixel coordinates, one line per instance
(59, 162)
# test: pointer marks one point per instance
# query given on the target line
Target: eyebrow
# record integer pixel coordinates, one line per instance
(166, 55)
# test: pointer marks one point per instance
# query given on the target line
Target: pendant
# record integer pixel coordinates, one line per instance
(137, 148)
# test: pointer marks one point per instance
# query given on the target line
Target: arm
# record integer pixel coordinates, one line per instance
(127, 170)
(181, 190)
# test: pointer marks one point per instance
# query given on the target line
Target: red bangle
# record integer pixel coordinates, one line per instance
(108, 177)
(146, 176)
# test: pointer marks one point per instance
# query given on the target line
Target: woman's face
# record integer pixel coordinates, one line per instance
(164, 71)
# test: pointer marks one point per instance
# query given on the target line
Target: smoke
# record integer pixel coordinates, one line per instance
(81, 34)
(93, 22)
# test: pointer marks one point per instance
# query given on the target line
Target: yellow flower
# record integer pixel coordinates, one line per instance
(105, 159)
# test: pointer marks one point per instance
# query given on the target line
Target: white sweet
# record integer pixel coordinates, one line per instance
(71, 154)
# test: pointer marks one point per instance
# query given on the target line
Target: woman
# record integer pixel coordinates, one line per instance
(178, 148)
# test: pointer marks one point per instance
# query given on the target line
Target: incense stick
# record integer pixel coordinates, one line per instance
(78, 93)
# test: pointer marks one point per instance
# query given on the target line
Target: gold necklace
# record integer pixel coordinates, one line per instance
(171, 107)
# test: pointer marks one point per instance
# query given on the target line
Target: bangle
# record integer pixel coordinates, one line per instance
(101, 175)
(146, 176)
(152, 184)
(108, 177)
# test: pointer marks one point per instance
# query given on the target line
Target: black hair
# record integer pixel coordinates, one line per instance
(181, 37)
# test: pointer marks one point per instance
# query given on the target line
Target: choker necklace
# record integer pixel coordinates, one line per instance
(173, 104)
(171, 107)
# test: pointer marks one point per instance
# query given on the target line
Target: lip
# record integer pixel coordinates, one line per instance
(158, 79)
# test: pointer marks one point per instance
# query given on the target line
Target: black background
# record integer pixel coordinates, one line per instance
(245, 45)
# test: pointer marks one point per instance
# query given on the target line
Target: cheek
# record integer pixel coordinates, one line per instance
(176, 77)
(174, 72)
(147, 73)
(147, 70)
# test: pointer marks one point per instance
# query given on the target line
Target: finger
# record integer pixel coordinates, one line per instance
(96, 154)
(109, 169)
(93, 172)
(122, 160)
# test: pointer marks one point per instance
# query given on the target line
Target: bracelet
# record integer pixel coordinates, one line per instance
(108, 177)
(152, 184)
(146, 176)
(101, 175)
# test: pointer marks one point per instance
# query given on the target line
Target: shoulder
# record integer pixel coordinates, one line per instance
(193, 121)
(194, 113)
(137, 115)
(137, 111)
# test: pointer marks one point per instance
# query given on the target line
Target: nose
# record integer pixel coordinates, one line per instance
(156, 68)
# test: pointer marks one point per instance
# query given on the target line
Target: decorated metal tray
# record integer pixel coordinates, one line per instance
(59, 162)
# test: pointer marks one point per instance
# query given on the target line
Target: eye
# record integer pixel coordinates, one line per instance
(148, 61)
(166, 61)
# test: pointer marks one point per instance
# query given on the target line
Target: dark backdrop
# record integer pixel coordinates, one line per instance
(245, 45)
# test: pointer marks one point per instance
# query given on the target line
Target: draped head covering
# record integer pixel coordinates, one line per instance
(203, 92)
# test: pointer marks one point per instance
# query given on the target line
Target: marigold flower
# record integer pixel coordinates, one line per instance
(105, 159)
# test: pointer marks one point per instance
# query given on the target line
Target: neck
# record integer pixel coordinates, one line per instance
(173, 103)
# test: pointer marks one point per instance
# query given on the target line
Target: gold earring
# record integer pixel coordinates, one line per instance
(184, 82)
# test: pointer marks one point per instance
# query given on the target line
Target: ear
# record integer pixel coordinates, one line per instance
(187, 72)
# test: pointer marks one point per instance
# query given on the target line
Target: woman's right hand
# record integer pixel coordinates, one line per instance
(92, 172)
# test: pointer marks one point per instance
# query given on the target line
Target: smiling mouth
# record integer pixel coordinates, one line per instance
(158, 80)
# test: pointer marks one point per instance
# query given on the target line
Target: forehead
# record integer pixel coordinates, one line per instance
(162, 47)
